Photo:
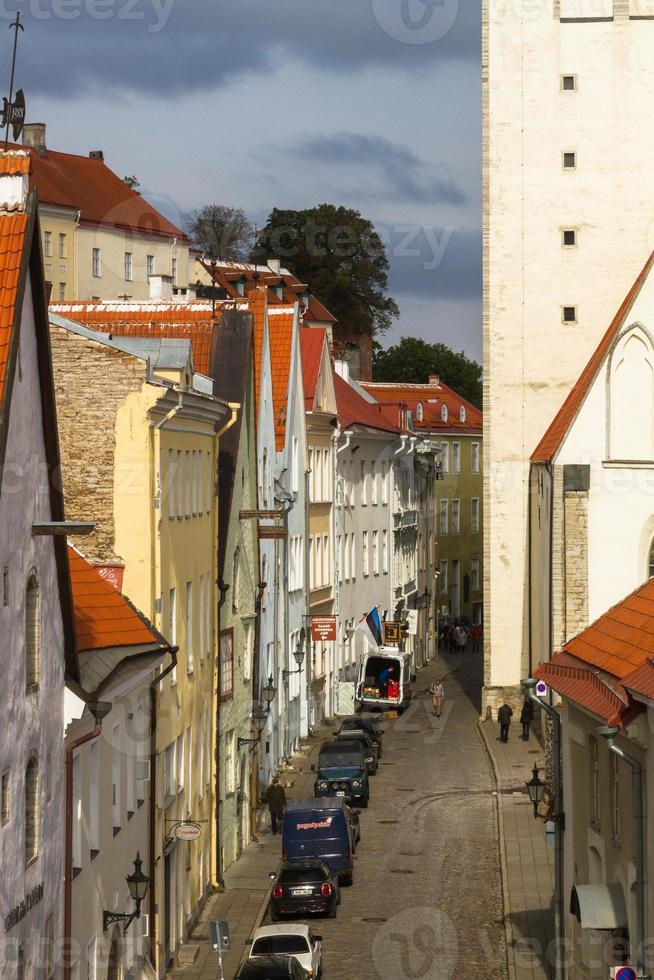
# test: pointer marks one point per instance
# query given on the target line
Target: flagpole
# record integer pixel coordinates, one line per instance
(18, 26)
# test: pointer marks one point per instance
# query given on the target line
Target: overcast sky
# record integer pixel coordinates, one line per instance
(374, 104)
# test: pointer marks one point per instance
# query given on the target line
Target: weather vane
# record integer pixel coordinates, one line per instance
(13, 110)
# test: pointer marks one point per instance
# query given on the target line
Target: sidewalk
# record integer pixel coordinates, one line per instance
(527, 861)
(247, 885)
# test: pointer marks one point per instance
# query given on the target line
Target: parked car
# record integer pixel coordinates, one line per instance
(364, 722)
(271, 968)
(304, 888)
(342, 772)
(369, 749)
(293, 940)
(321, 829)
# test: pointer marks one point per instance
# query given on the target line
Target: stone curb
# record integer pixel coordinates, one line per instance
(506, 901)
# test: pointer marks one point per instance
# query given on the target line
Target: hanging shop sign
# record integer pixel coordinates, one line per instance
(323, 628)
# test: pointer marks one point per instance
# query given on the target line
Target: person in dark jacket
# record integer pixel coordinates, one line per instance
(526, 718)
(275, 797)
(504, 716)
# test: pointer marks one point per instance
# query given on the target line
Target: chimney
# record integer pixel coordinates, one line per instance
(14, 180)
(275, 265)
(96, 155)
(434, 380)
(342, 368)
(161, 288)
(34, 137)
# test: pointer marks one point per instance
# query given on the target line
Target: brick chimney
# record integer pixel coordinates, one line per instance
(434, 380)
(96, 155)
(34, 137)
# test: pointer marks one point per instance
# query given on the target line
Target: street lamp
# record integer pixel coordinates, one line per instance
(298, 655)
(138, 885)
(260, 715)
(268, 692)
(536, 789)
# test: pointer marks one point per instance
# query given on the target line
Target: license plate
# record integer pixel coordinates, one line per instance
(296, 892)
(340, 792)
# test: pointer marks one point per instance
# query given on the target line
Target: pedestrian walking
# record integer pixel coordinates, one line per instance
(476, 637)
(504, 716)
(437, 692)
(451, 637)
(461, 637)
(275, 797)
(526, 718)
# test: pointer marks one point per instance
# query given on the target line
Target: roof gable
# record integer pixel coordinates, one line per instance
(355, 410)
(281, 326)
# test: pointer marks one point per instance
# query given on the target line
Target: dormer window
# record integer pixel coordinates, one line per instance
(419, 412)
(444, 413)
(240, 286)
(462, 414)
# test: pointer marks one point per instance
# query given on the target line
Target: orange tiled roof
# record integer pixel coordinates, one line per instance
(256, 277)
(13, 228)
(103, 617)
(551, 441)
(193, 321)
(257, 305)
(280, 327)
(432, 398)
(355, 410)
(312, 342)
(586, 688)
(14, 162)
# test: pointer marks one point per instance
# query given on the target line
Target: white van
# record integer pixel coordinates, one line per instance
(384, 680)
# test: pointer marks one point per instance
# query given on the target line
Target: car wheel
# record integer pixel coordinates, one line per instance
(338, 895)
(274, 914)
(364, 803)
(331, 912)
(348, 879)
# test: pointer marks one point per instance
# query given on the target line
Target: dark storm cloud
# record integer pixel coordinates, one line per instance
(172, 47)
(392, 171)
(429, 262)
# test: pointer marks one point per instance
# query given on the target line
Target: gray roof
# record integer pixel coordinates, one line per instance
(165, 353)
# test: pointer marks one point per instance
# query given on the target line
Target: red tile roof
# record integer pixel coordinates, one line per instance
(551, 441)
(280, 327)
(432, 398)
(585, 688)
(101, 197)
(255, 277)
(193, 321)
(13, 228)
(257, 305)
(312, 342)
(14, 162)
(103, 617)
(355, 410)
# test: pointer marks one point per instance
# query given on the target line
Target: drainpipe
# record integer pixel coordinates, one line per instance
(609, 734)
(152, 829)
(559, 826)
(256, 695)
(307, 608)
(223, 589)
(99, 710)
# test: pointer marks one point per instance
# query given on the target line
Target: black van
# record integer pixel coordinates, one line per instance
(323, 830)
(342, 772)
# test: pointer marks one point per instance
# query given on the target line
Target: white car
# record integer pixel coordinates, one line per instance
(293, 940)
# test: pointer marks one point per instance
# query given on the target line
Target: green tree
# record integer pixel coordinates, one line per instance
(340, 256)
(413, 360)
(220, 231)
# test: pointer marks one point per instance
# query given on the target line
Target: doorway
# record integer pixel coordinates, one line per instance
(167, 906)
(113, 963)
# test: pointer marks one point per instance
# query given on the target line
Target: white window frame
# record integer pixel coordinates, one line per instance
(445, 450)
(474, 575)
(385, 552)
(365, 553)
(96, 263)
(475, 457)
(474, 515)
(150, 265)
(456, 516)
(190, 632)
(443, 515)
(456, 457)
(47, 244)
(443, 567)
(129, 267)
(364, 483)
(375, 552)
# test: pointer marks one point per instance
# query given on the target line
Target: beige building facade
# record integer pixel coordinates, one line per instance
(567, 104)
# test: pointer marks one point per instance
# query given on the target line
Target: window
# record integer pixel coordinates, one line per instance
(149, 264)
(96, 263)
(595, 778)
(346, 558)
(190, 637)
(568, 83)
(569, 160)
(200, 763)
(129, 266)
(374, 489)
(569, 314)
(248, 650)
(295, 465)
(180, 483)
(353, 556)
(456, 517)
(94, 799)
(62, 290)
(569, 237)
(6, 797)
(179, 758)
(169, 772)
(462, 414)
(47, 243)
(444, 413)
(419, 412)
(444, 504)
(445, 450)
(474, 575)
(227, 664)
(384, 484)
(326, 561)
(456, 457)
(62, 246)
(32, 811)
(171, 484)
(230, 776)
(174, 271)
(442, 578)
(172, 627)
(474, 515)
(385, 552)
(190, 763)
(364, 483)
(32, 633)
(77, 811)
(187, 483)
(195, 466)
(116, 812)
(375, 552)
(366, 555)
(615, 795)
(474, 457)
(317, 574)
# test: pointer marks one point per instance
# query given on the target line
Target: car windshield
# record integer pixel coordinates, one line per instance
(301, 875)
(268, 945)
(340, 757)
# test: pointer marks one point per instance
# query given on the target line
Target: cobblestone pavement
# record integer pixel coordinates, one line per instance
(426, 901)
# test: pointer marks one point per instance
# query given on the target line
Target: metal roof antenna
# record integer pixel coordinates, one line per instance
(13, 113)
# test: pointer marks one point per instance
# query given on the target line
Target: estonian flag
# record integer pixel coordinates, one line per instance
(370, 626)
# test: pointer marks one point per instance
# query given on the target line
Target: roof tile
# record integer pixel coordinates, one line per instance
(13, 229)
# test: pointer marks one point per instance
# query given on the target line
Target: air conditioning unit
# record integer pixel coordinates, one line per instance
(143, 770)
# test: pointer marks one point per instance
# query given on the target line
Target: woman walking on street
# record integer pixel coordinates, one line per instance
(437, 696)
(526, 718)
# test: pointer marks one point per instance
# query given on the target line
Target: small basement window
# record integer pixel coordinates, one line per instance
(569, 237)
(569, 314)
(569, 160)
(569, 83)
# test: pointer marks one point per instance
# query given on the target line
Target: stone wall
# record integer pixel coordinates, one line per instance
(576, 562)
(91, 383)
